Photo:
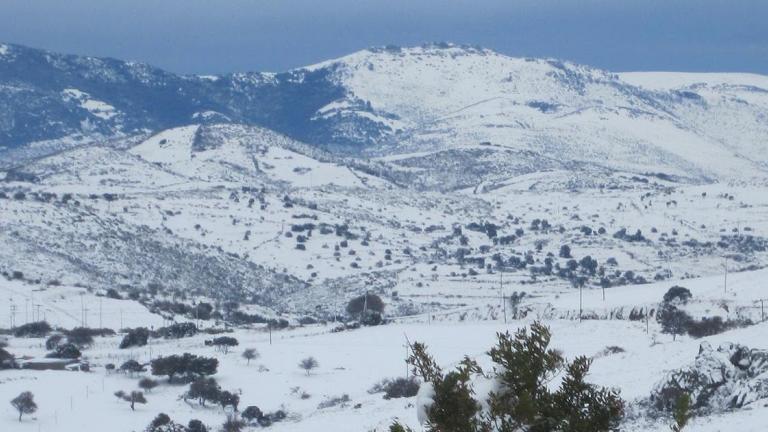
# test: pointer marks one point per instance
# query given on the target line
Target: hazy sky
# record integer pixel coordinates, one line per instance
(214, 36)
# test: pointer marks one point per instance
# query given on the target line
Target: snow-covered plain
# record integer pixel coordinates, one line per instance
(350, 363)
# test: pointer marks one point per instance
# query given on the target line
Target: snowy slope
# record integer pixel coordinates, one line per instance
(439, 97)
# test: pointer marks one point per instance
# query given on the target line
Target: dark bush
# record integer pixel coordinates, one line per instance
(147, 384)
(33, 329)
(252, 413)
(178, 330)
(53, 341)
(162, 419)
(371, 318)
(80, 336)
(370, 302)
(131, 367)
(709, 326)
(66, 351)
(7, 360)
(223, 343)
(135, 337)
(187, 366)
(201, 311)
(196, 426)
(400, 388)
(677, 293)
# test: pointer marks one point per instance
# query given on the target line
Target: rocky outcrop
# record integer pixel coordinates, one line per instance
(729, 377)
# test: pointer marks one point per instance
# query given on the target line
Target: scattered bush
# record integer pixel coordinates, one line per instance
(147, 384)
(342, 401)
(250, 354)
(308, 364)
(397, 388)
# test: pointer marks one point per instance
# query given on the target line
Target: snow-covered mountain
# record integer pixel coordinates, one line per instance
(418, 108)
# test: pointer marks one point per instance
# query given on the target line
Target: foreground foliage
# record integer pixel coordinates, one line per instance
(522, 399)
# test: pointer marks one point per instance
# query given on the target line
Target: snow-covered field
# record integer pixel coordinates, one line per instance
(349, 363)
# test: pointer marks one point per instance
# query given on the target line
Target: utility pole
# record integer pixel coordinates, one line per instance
(647, 315)
(100, 315)
(725, 280)
(407, 355)
(13, 314)
(581, 285)
(149, 339)
(501, 294)
(121, 319)
(38, 311)
(82, 309)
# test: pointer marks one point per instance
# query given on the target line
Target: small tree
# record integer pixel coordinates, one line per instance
(250, 354)
(523, 398)
(673, 321)
(24, 403)
(134, 398)
(565, 251)
(203, 389)
(147, 384)
(227, 398)
(682, 412)
(308, 364)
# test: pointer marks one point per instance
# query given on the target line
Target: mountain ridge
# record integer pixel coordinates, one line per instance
(386, 101)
